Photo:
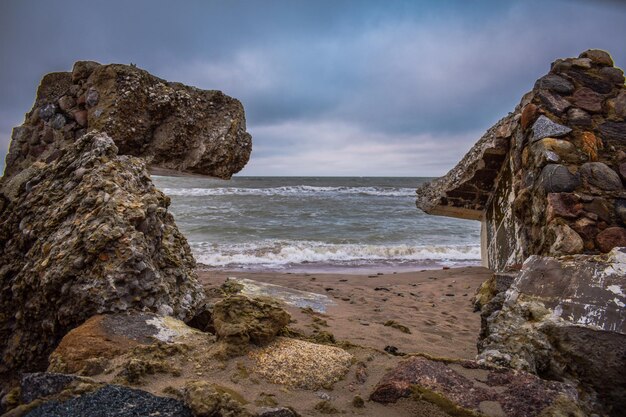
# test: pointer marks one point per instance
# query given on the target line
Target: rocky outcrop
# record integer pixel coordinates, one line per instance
(83, 234)
(468, 389)
(169, 125)
(545, 180)
(564, 318)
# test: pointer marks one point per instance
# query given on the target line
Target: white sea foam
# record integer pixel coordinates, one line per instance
(281, 253)
(296, 190)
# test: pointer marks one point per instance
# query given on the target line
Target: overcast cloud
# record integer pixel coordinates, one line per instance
(397, 88)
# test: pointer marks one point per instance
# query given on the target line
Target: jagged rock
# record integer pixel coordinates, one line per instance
(206, 401)
(546, 128)
(565, 240)
(86, 234)
(564, 318)
(113, 401)
(587, 99)
(598, 56)
(89, 348)
(239, 321)
(469, 389)
(578, 117)
(169, 125)
(553, 102)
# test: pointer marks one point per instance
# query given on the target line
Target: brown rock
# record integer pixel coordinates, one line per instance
(66, 103)
(460, 389)
(598, 57)
(588, 230)
(587, 99)
(600, 207)
(566, 205)
(81, 117)
(620, 105)
(590, 145)
(598, 175)
(610, 238)
(529, 114)
(565, 240)
(578, 117)
(553, 102)
(613, 75)
(622, 170)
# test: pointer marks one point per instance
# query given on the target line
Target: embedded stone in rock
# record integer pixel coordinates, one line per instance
(563, 205)
(614, 75)
(44, 384)
(546, 148)
(470, 389)
(556, 178)
(171, 126)
(544, 128)
(610, 238)
(620, 209)
(614, 131)
(555, 83)
(578, 117)
(598, 56)
(620, 105)
(566, 240)
(553, 102)
(277, 412)
(239, 320)
(528, 115)
(113, 401)
(587, 99)
(599, 175)
(205, 400)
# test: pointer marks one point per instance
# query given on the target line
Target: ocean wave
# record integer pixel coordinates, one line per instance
(282, 253)
(295, 190)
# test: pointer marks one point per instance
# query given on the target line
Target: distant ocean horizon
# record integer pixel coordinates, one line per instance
(322, 224)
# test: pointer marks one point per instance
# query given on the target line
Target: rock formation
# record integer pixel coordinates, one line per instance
(170, 125)
(86, 234)
(547, 182)
(547, 179)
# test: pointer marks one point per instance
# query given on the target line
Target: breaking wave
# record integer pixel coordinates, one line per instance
(296, 190)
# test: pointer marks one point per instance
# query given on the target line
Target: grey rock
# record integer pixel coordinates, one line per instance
(613, 75)
(614, 131)
(556, 178)
(113, 401)
(92, 97)
(43, 384)
(553, 102)
(599, 175)
(546, 128)
(555, 83)
(58, 121)
(620, 209)
(47, 111)
(276, 412)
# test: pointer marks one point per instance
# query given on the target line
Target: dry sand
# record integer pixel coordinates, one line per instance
(433, 304)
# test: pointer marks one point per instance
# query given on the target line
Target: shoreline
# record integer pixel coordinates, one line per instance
(426, 311)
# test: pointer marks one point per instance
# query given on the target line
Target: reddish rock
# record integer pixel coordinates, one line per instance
(81, 117)
(600, 207)
(565, 205)
(468, 388)
(587, 99)
(529, 114)
(610, 238)
(587, 229)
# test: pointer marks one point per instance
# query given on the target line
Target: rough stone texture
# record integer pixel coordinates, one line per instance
(89, 348)
(44, 384)
(113, 401)
(468, 389)
(544, 147)
(169, 125)
(564, 318)
(611, 238)
(277, 412)
(86, 234)
(205, 401)
(239, 321)
(301, 364)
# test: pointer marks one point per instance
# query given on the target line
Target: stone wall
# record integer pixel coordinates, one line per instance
(559, 190)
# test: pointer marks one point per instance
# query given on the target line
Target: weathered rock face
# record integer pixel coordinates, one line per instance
(545, 180)
(169, 125)
(564, 318)
(468, 389)
(84, 234)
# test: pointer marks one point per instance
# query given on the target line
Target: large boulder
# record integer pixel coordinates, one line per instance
(564, 318)
(468, 389)
(84, 234)
(170, 125)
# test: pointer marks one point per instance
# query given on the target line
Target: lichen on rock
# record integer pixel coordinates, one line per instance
(87, 234)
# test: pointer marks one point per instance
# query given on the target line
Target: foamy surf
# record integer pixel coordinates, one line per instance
(299, 190)
(282, 254)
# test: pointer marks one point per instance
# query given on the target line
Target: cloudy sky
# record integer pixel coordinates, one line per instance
(393, 88)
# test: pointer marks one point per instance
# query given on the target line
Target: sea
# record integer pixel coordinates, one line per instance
(316, 224)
